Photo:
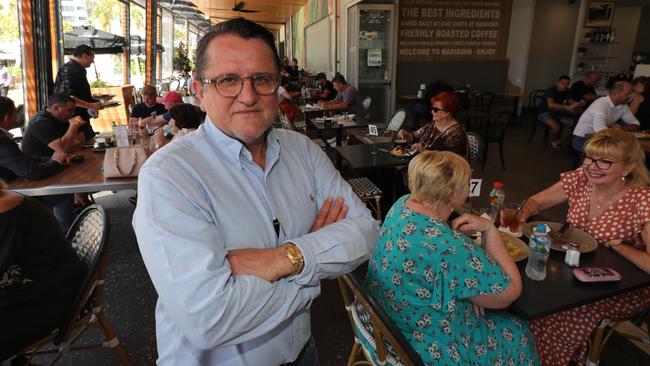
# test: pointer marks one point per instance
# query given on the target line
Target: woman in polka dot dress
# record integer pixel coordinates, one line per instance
(608, 197)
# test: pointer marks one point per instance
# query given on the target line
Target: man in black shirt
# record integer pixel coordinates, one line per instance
(55, 129)
(326, 87)
(585, 89)
(14, 163)
(72, 81)
(148, 105)
(557, 109)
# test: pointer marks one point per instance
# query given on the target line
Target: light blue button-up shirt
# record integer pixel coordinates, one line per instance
(201, 196)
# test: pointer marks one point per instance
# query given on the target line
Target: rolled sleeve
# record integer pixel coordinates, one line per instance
(338, 248)
(186, 258)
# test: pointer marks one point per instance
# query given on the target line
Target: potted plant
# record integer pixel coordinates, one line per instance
(581, 51)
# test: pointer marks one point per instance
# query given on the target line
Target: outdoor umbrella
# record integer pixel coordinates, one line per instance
(102, 42)
(138, 46)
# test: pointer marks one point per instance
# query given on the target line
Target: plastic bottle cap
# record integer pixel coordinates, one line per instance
(497, 185)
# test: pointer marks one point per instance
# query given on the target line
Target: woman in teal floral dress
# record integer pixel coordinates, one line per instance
(434, 281)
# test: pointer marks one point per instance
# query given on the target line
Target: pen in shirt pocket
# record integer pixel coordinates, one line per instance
(276, 227)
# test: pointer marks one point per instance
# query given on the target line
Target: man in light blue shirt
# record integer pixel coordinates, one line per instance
(236, 222)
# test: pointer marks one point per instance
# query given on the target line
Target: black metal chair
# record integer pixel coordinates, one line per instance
(87, 235)
(535, 100)
(483, 102)
(375, 334)
(492, 129)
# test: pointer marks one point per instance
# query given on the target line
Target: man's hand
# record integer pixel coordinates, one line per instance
(61, 157)
(269, 264)
(331, 212)
(77, 121)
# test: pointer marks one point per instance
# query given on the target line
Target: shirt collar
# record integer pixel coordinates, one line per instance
(6, 133)
(609, 102)
(234, 150)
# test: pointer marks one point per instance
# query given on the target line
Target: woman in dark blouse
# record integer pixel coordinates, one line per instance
(444, 133)
(40, 273)
(640, 104)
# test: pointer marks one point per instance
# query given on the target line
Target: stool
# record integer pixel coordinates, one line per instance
(368, 192)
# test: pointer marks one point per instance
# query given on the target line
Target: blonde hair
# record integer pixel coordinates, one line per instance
(434, 176)
(624, 147)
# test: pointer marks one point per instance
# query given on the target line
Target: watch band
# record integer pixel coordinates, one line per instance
(295, 257)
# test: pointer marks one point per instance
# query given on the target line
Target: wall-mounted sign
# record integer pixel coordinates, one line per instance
(374, 57)
(461, 30)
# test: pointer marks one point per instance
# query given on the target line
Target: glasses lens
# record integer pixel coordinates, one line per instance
(228, 85)
(264, 84)
(435, 109)
(587, 161)
(603, 164)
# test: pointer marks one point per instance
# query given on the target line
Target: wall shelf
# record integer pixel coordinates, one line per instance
(589, 44)
(597, 57)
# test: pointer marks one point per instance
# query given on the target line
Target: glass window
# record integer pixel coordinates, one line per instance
(138, 34)
(10, 50)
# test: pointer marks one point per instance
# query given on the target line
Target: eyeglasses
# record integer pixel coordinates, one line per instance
(230, 85)
(601, 164)
(436, 109)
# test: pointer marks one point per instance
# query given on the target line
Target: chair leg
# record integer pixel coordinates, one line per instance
(112, 340)
(596, 338)
(378, 206)
(532, 132)
(503, 162)
(485, 152)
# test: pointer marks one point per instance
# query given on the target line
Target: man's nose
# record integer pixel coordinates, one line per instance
(248, 95)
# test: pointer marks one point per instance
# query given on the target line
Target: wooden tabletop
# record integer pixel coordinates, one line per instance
(561, 291)
(86, 176)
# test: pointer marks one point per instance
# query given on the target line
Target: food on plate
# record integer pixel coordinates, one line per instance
(399, 150)
(399, 141)
(512, 249)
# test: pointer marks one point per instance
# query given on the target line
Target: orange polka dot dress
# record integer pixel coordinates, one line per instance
(563, 336)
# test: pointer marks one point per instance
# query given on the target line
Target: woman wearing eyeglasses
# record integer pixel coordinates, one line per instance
(444, 132)
(609, 198)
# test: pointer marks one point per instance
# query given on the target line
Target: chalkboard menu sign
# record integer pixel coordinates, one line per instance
(453, 30)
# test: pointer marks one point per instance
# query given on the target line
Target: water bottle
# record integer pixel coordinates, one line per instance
(497, 196)
(539, 247)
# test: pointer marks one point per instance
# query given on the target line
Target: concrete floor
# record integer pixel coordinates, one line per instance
(130, 297)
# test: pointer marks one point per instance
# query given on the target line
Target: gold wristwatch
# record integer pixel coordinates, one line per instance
(295, 257)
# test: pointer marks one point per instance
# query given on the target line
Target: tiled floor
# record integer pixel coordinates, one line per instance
(130, 296)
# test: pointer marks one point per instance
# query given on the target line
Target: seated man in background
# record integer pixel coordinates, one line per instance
(604, 113)
(40, 274)
(55, 129)
(347, 99)
(327, 91)
(149, 104)
(284, 100)
(13, 162)
(585, 89)
(557, 109)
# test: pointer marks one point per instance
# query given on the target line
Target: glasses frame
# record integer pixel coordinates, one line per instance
(214, 82)
(597, 162)
(436, 109)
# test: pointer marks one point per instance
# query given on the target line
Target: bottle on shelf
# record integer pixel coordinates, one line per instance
(496, 198)
(613, 37)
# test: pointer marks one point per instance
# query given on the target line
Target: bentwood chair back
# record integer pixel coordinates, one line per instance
(607, 327)
(87, 235)
(535, 100)
(493, 130)
(375, 334)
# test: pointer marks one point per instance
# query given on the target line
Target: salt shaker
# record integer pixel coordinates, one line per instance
(572, 256)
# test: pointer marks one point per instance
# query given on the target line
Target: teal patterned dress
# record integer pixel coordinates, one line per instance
(423, 273)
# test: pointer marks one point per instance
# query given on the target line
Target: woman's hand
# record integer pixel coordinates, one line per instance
(419, 147)
(468, 223)
(404, 134)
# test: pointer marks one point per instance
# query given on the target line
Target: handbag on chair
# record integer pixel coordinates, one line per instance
(123, 162)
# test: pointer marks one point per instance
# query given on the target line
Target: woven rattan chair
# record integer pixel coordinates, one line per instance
(607, 327)
(474, 146)
(368, 192)
(374, 332)
(88, 236)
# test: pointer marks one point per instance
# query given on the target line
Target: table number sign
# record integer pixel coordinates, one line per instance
(372, 130)
(475, 187)
(122, 136)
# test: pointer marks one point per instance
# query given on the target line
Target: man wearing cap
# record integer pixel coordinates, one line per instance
(72, 81)
(326, 87)
(149, 104)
